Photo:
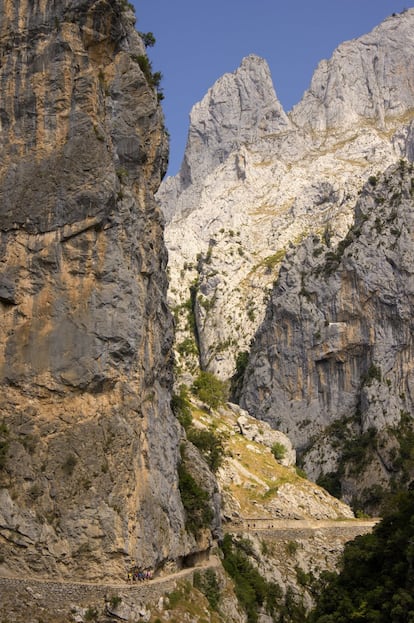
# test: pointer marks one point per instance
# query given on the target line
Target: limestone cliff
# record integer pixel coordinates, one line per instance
(332, 364)
(89, 445)
(255, 179)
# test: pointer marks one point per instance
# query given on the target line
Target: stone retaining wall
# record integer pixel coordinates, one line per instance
(296, 527)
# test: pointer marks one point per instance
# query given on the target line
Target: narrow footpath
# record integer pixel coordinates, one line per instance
(61, 596)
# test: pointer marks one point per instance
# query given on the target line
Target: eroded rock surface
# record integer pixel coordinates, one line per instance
(89, 446)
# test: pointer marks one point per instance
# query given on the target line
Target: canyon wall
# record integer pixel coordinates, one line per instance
(255, 180)
(89, 445)
(332, 364)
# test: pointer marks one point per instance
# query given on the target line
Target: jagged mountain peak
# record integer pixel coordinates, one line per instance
(368, 79)
(255, 180)
(241, 107)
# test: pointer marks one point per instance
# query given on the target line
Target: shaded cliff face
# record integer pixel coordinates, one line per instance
(88, 441)
(332, 364)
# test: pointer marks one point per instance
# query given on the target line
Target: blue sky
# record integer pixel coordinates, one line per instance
(197, 42)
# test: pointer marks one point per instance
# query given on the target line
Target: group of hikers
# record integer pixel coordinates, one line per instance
(136, 575)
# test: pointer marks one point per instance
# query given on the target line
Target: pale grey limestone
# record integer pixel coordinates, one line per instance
(246, 192)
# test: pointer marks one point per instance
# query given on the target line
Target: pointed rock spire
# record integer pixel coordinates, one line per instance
(241, 107)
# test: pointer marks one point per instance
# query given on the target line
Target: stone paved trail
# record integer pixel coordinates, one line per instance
(83, 589)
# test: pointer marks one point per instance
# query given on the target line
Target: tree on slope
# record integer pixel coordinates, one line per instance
(376, 581)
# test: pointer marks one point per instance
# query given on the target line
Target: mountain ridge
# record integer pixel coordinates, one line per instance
(268, 196)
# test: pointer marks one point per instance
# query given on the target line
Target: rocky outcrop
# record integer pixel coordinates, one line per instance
(332, 364)
(89, 445)
(259, 487)
(262, 433)
(254, 180)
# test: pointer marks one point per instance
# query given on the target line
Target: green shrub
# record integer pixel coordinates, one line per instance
(207, 583)
(303, 578)
(148, 39)
(404, 459)
(210, 444)
(293, 609)
(210, 389)
(91, 614)
(250, 314)
(375, 584)
(156, 79)
(153, 78)
(122, 174)
(373, 373)
(115, 601)
(273, 260)
(252, 590)
(181, 408)
(300, 472)
(279, 451)
(174, 598)
(187, 347)
(292, 547)
(195, 501)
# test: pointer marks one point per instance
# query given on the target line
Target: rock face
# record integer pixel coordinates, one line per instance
(332, 364)
(240, 108)
(255, 180)
(89, 445)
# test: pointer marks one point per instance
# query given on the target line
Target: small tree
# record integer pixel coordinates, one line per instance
(181, 407)
(148, 39)
(210, 444)
(195, 500)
